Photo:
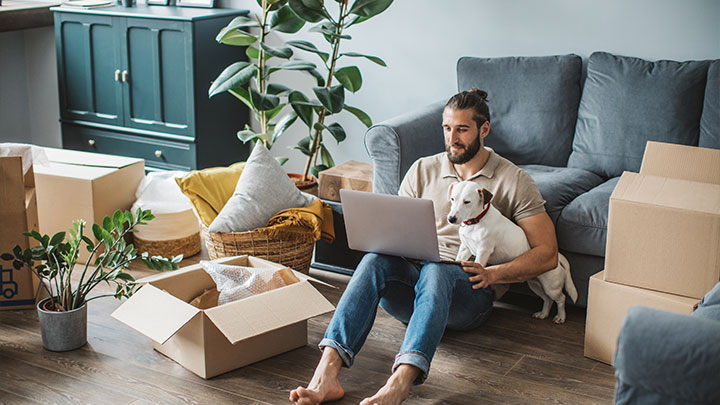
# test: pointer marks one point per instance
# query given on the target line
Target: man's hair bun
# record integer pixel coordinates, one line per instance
(479, 93)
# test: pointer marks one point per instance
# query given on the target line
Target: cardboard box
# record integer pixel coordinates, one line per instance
(664, 223)
(216, 340)
(82, 185)
(349, 175)
(18, 214)
(608, 303)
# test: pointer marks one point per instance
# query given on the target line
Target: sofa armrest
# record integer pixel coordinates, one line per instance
(395, 144)
(664, 354)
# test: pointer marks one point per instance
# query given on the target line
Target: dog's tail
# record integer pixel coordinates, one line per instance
(569, 285)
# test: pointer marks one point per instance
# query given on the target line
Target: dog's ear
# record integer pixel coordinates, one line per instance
(450, 190)
(486, 196)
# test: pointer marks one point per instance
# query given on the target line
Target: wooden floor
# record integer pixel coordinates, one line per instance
(513, 359)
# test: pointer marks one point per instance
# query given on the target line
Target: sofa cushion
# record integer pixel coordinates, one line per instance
(560, 185)
(582, 226)
(710, 120)
(629, 101)
(533, 104)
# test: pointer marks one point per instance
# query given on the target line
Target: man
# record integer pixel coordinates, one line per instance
(432, 296)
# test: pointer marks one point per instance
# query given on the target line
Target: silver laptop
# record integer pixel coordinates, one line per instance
(390, 224)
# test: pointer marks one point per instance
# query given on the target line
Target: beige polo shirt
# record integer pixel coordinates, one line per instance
(515, 194)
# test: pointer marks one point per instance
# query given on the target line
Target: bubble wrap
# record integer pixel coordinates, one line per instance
(238, 282)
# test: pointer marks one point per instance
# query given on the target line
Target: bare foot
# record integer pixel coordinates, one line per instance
(324, 385)
(397, 387)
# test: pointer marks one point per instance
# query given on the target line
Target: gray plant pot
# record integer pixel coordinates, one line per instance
(62, 331)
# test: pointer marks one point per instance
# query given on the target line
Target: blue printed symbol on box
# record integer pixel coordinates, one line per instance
(8, 287)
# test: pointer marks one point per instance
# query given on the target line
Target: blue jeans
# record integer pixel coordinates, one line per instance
(427, 296)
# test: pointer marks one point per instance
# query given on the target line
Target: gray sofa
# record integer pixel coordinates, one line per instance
(574, 137)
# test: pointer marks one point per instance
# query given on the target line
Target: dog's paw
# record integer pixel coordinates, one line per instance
(541, 315)
(559, 319)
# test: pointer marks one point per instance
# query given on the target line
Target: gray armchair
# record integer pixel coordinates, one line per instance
(667, 358)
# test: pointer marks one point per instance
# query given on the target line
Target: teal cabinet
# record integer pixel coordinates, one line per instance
(133, 81)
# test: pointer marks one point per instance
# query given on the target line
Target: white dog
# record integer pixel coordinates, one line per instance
(492, 238)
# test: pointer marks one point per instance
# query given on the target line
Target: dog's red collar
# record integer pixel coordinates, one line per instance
(477, 218)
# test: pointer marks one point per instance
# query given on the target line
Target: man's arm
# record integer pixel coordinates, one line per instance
(542, 256)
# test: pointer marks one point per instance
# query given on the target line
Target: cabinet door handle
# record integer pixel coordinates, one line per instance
(91, 142)
(158, 153)
(117, 75)
(124, 75)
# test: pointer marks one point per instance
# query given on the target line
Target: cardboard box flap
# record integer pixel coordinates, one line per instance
(74, 157)
(681, 162)
(668, 192)
(155, 313)
(268, 311)
(305, 277)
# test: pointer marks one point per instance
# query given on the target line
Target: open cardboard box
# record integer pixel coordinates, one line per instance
(664, 223)
(216, 340)
(83, 185)
(608, 303)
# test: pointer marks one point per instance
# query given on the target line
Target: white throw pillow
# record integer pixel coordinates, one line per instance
(262, 191)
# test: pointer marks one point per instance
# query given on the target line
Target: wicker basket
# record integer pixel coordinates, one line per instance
(187, 246)
(294, 253)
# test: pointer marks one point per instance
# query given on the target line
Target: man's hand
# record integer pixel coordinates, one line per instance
(480, 276)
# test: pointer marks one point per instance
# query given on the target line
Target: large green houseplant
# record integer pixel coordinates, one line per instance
(63, 315)
(331, 23)
(250, 81)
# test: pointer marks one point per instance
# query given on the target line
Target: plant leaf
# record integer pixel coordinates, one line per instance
(235, 75)
(369, 57)
(304, 146)
(293, 65)
(285, 122)
(242, 95)
(57, 238)
(327, 160)
(277, 89)
(247, 135)
(264, 102)
(317, 169)
(309, 47)
(369, 8)
(118, 220)
(328, 29)
(350, 78)
(360, 114)
(281, 160)
(305, 112)
(270, 114)
(253, 53)
(318, 77)
(237, 22)
(232, 35)
(107, 224)
(333, 98)
(307, 9)
(337, 131)
(284, 53)
(7, 256)
(285, 20)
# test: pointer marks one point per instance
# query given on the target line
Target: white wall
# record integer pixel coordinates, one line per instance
(29, 109)
(420, 40)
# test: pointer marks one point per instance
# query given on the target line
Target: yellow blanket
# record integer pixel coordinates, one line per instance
(314, 221)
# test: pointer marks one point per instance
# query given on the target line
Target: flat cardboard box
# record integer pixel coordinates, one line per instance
(216, 340)
(349, 175)
(18, 214)
(664, 223)
(608, 303)
(83, 185)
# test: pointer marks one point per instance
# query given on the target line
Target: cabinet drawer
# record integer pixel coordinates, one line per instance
(161, 154)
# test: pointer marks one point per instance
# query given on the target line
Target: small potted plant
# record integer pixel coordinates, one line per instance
(63, 316)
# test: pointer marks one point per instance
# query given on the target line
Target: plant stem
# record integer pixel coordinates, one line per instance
(317, 139)
(261, 70)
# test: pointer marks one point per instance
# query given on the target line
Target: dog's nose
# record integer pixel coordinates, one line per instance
(451, 219)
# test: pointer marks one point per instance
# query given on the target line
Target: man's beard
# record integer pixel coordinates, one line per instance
(469, 153)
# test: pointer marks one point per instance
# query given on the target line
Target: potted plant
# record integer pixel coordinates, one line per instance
(330, 98)
(63, 316)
